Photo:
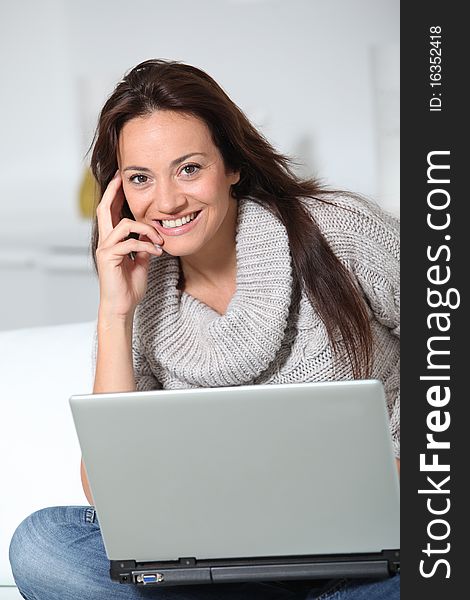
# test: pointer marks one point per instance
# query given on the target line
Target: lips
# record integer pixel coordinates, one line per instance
(179, 229)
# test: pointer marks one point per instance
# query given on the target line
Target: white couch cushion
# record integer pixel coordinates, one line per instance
(40, 369)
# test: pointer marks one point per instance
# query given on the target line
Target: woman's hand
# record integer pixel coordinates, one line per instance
(122, 279)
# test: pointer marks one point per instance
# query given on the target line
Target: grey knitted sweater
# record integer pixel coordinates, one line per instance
(269, 333)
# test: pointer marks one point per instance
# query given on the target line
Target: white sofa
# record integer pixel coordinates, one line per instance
(40, 369)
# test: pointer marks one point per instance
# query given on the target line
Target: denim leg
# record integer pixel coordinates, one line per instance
(58, 554)
(359, 589)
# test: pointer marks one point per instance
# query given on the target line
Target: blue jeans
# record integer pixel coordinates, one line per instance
(58, 554)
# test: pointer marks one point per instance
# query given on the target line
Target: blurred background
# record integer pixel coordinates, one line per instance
(319, 78)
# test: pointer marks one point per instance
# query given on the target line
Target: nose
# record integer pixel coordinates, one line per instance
(167, 199)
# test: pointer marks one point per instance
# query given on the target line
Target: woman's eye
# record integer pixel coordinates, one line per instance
(138, 179)
(190, 169)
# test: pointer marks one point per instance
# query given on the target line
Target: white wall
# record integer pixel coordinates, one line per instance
(303, 70)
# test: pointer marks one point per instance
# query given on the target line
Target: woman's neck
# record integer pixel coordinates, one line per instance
(216, 263)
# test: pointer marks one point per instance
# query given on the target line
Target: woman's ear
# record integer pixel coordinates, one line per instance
(235, 177)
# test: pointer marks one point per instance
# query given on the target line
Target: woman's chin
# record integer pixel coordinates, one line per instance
(180, 249)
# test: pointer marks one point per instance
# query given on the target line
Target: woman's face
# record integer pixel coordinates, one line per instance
(174, 179)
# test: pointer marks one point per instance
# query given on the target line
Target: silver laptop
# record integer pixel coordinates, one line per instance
(249, 483)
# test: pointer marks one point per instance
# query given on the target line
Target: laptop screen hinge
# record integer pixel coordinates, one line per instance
(187, 561)
(393, 558)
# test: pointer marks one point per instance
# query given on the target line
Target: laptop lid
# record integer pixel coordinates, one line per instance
(268, 471)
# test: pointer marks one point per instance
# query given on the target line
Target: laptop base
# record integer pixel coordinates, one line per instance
(189, 571)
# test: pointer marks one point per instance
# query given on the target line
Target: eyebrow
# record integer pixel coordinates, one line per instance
(173, 163)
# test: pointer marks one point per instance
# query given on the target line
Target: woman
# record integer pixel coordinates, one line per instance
(217, 266)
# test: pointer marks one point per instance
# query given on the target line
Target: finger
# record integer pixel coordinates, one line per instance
(110, 205)
(135, 246)
(145, 238)
(141, 259)
(127, 226)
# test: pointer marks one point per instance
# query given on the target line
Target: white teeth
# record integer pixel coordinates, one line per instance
(179, 222)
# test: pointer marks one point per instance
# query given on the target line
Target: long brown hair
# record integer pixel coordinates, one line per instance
(265, 174)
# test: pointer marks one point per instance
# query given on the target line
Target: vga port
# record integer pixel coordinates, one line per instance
(146, 578)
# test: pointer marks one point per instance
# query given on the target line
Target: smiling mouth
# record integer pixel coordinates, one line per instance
(170, 224)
